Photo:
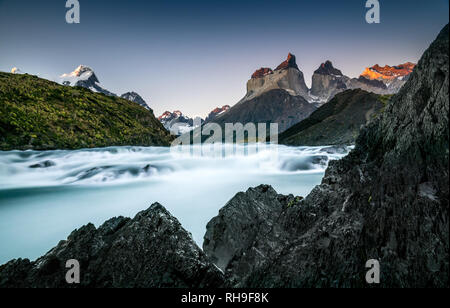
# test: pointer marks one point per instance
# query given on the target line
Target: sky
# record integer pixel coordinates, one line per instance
(194, 56)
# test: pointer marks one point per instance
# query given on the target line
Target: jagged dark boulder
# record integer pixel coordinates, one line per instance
(232, 236)
(387, 200)
(150, 250)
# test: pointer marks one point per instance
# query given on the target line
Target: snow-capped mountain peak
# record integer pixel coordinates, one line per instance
(80, 70)
(80, 74)
(15, 70)
(134, 97)
(84, 76)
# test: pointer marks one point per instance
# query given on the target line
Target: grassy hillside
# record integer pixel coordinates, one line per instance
(42, 115)
(338, 121)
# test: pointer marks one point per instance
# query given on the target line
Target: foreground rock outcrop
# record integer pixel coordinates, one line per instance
(387, 200)
(233, 238)
(150, 250)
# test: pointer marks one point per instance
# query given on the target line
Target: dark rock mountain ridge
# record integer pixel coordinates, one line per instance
(134, 97)
(274, 106)
(387, 200)
(336, 122)
(278, 96)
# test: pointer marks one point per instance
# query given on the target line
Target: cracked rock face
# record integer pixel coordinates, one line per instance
(150, 250)
(387, 200)
(232, 238)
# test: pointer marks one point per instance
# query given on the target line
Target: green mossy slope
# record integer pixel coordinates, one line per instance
(42, 115)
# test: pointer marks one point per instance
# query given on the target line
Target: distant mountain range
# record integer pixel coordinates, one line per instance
(276, 96)
(281, 95)
(327, 81)
(84, 76)
(338, 121)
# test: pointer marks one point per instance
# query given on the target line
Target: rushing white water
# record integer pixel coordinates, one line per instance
(46, 195)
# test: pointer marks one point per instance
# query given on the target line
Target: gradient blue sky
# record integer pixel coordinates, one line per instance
(197, 55)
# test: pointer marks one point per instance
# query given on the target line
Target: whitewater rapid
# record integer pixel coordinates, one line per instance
(45, 195)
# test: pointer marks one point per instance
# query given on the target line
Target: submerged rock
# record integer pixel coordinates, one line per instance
(44, 164)
(150, 250)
